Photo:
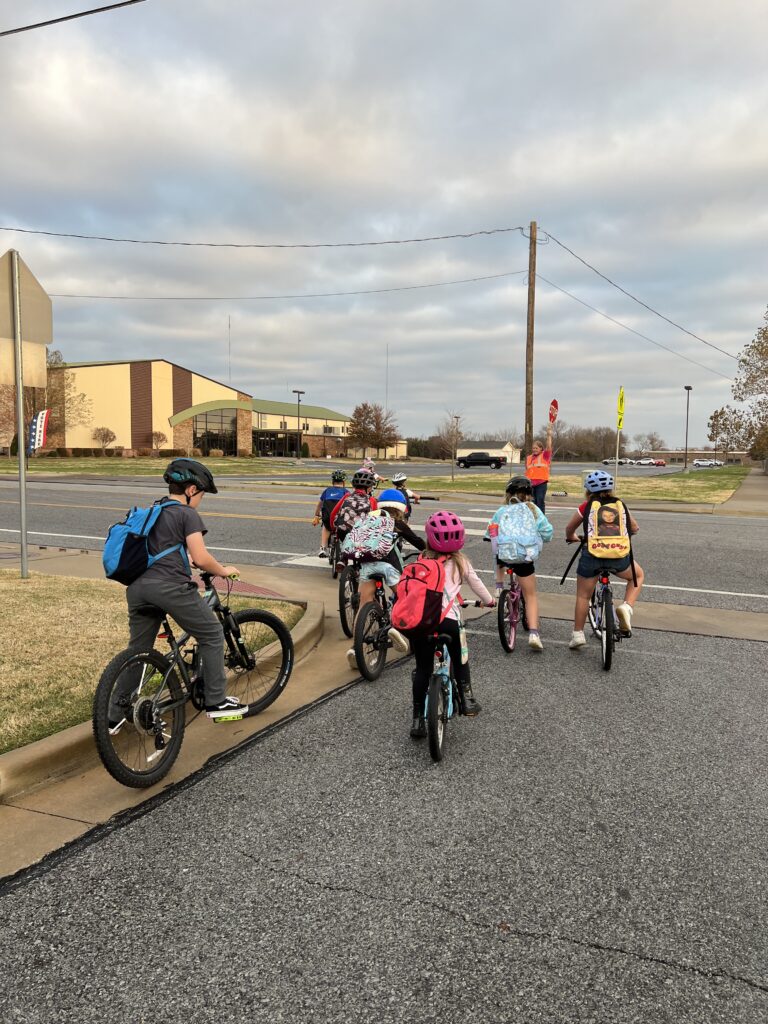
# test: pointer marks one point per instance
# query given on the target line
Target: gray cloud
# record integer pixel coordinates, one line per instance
(632, 132)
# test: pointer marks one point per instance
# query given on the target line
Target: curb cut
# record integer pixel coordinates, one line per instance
(55, 756)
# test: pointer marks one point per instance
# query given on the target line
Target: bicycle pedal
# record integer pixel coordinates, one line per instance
(236, 716)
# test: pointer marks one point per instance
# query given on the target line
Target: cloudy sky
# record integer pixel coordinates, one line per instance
(633, 133)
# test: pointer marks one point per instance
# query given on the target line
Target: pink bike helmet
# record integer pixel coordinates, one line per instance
(445, 532)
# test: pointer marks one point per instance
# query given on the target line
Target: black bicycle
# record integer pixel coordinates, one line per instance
(140, 706)
(372, 641)
(334, 554)
(349, 587)
(603, 619)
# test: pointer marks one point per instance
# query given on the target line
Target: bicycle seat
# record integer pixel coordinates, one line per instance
(376, 577)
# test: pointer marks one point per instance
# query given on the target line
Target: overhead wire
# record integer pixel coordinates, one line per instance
(70, 17)
(264, 245)
(288, 295)
(639, 301)
(618, 323)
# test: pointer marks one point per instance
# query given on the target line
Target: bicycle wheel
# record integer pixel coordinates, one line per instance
(606, 629)
(348, 599)
(333, 555)
(139, 712)
(506, 618)
(522, 616)
(371, 640)
(593, 613)
(269, 643)
(436, 717)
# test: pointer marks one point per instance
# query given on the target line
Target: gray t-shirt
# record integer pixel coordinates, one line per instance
(175, 524)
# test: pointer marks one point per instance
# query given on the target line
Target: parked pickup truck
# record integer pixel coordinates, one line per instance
(481, 459)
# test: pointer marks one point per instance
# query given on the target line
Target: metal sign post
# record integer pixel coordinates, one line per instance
(21, 446)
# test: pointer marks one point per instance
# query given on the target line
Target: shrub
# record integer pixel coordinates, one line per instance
(144, 453)
(110, 453)
(304, 450)
(172, 453)
(65, 453)
(197, 453)
(52, 454)
(128, 453)
(216, 453)
(244, 453)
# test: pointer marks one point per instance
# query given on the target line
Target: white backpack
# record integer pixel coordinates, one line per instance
(519, 539)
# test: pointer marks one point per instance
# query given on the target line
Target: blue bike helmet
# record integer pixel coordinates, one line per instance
(597, 481)
(392, 498)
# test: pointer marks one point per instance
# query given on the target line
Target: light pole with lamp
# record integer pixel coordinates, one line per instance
(688, 389)
(298, 421)
(456, 420)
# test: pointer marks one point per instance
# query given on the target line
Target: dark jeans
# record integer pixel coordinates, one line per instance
(183, 603)
(424, 651)
(539, 490)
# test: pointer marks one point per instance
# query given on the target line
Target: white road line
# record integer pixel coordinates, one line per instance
(310, 563)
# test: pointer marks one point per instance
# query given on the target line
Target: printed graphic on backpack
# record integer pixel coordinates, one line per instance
(371, 538)
(518, 538)
(607, 529)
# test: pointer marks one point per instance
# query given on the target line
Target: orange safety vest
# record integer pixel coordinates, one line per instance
(537, 468)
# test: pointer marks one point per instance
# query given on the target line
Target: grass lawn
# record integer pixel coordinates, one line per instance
(58, 634)
(708, 486)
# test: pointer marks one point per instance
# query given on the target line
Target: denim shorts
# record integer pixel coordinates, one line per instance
(389, 572)
(589, 566)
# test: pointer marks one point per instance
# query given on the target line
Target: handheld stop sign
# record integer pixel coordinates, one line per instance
(553, 409)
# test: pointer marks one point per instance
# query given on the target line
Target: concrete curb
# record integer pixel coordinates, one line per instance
(45, 760)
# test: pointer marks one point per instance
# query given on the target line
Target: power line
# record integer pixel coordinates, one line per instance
(631, 329)
(262, 245)
(69, 17)
(640, 301)
(290, 295)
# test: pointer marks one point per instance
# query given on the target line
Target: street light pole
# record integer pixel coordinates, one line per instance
(456, 420)
(688, 389)
(298, 420)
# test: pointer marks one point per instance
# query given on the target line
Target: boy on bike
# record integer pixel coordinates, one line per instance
(166, 588)
(325, 505)
(355, 504)
(599, 486)
(411, 499)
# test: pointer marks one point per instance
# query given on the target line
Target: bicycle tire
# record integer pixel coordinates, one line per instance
(131, 755)
(370, 646)
(334, 552)
(522, 614)
(606, 629)
(593, 613)
(506, 620)
(268, 639)
(348, 595)
(436, 717)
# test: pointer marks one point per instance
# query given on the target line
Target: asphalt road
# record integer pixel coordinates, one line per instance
(592, 849)
(699, 560)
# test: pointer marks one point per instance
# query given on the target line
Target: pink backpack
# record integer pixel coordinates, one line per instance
(419, 596)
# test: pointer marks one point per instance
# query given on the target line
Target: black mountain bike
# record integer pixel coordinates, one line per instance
(140, 706)
(603, 619)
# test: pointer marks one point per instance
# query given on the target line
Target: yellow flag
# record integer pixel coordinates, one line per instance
(620, 421)
(620, 403)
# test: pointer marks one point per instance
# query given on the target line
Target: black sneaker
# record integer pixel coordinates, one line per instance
(472, 707)
(228, 710)
(419, 727)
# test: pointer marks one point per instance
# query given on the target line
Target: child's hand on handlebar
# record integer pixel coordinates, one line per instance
(316, 521)
(230, 572)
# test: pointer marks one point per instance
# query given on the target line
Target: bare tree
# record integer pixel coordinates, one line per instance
(448, 435)
(104, 437)
(158, 439)
(384, 428)
(69, 407)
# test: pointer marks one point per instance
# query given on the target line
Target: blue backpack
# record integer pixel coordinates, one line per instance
(126, 550)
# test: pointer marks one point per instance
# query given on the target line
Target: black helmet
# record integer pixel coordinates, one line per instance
(518, 484)
(187, 471)
(364, 480)
(338, 476)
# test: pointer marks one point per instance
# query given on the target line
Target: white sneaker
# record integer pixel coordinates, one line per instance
(399, 642)
(322, 553)
(577, 640)
(534, 640)
(624, 615)
(351, 659)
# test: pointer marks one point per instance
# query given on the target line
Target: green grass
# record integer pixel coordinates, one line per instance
(58, 634)
(706, 486)
(150, 466)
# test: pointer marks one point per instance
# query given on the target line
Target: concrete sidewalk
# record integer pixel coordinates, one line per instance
(749, 499)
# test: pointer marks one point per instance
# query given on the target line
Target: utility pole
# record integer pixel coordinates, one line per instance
(529, 339)
(688, 389)
(298, 420)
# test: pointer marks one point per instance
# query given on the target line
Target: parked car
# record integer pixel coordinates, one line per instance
(704, 463)
(659, 462)
(481, 459)
(646, 462)
(622, 462)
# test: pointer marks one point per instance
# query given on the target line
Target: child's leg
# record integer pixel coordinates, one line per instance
(325, 536)
(584, 587)
(633, 591)
(528, 587)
